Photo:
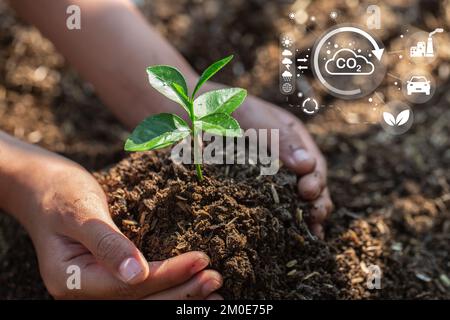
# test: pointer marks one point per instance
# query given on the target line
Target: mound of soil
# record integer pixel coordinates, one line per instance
(252, 227)
(392, 194)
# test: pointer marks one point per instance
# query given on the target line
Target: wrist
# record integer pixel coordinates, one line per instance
(26, 174)
(28, 189)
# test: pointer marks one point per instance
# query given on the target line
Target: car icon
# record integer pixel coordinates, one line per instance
(418, 84)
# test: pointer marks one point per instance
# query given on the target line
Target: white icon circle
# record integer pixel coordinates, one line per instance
(422, 47)
(396, 117)
(418, 86)
(348, 69)
(287, 88)
(310, 106)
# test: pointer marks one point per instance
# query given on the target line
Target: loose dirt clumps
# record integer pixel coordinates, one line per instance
(391, 194)
(253, 227)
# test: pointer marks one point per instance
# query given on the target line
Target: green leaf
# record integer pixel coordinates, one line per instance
(210, 71)
(219, 123)
(156, 132)
(219, 101)
(162, 79)
(186, 104)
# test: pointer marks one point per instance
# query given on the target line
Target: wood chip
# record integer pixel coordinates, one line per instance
(291, 263)
(373, 248)
(231, 221)
(357, 280)
(202, 213)
(381, 227)
(445, 280)
(181, 246)
(180, 198)
(275, 196)
(129, 222)
(315, 273)
(292, 273)
(423, 277)
(397, 246)
(299, 216)
(364, 267)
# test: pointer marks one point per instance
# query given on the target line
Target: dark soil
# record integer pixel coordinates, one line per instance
(392, 194)
(252, 227)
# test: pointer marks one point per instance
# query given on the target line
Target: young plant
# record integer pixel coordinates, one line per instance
(210, 112)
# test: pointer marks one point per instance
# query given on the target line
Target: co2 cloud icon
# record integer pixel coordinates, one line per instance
(346, 62)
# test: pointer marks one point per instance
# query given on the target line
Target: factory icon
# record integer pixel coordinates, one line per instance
(424, 49)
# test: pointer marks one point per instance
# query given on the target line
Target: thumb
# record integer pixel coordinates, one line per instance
(294, 151)
(294, 154)
(98, 233)
(113, 250)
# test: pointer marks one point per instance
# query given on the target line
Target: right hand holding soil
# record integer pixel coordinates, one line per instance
(298, 152)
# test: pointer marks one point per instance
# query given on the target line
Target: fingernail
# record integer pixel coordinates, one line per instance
(129, 270)
(211, 286)
(301, 155)
(200, 264)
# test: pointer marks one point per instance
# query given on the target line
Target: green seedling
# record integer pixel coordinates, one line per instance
(210, 112)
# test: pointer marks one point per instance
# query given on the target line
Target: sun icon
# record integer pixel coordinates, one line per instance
(286, 42)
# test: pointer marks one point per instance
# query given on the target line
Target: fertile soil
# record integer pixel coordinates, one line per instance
(392, 194)
(252, 227)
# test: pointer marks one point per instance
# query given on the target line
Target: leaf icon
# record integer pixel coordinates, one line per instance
(402, 118)
(389, 118)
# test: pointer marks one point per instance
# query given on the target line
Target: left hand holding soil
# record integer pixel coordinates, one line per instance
(66, 214)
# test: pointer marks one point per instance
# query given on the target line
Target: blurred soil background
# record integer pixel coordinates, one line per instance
(392, 194)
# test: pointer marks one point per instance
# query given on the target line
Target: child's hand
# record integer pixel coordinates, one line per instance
(297, 151)
(65, 211)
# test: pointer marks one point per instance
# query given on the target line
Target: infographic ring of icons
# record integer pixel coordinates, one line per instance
(343, 54)
(350, 62)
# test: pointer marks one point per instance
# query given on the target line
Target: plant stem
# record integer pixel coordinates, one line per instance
(198, 168)
(197, 154)
(197, 144)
